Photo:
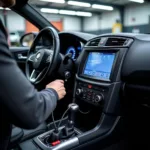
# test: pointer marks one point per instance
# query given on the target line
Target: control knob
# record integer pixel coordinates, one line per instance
(79, 91)
(98, 98)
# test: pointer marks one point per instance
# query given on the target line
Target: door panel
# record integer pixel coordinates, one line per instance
(20, 55)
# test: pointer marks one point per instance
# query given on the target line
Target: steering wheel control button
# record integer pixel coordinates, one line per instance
(48, 60)
(40, 57)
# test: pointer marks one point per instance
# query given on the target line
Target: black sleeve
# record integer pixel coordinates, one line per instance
(28, 108)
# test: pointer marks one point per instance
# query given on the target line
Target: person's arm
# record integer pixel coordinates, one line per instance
(27, 107)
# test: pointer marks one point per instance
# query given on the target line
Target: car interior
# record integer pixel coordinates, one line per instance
(107, 79)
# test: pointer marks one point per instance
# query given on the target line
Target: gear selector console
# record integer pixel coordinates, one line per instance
(64, 136)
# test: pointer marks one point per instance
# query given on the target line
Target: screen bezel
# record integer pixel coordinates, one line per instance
(86, 54)
(94, 77)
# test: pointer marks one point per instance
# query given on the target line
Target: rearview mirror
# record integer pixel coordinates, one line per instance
(27, 39)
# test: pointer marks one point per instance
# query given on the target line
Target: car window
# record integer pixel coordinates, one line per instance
(16, 26)
(97, 16)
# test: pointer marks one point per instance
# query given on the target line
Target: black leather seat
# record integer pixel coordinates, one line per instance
(19, 135)
(16, 136)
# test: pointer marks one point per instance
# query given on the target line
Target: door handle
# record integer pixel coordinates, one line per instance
(21, 57)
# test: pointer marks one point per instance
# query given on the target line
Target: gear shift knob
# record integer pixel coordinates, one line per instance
(73, 109)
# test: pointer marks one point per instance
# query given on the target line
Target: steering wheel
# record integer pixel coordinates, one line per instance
(41, 63)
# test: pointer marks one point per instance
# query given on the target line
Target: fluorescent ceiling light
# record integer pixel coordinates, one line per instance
(104, 7)
(85, 14)
(4, 8)
(47, 10)
(137, 1)
(54, 1)
(81, 4)
(67, 12)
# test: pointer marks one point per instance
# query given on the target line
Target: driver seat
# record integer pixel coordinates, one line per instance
(19, 135)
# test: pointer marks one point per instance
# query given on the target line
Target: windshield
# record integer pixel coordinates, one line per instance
(98, 16)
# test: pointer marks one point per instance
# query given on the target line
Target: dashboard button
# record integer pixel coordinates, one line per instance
(79, 92)
(84, 94)
(84, 97)
(84, 90)
(88, 99)
(98, 98)
(85, 85)
(89, 86)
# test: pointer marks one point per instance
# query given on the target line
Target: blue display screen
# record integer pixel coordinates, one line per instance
(99, 65)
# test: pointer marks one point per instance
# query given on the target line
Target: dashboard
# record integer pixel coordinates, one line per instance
(103, 53)
(113, 78)
(109, 63)
(70, 43)
(112, 74)
(112, 71)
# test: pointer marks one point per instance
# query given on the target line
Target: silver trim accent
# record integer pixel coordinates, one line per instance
(92, 82)
(32, 79)
(77, 131)
(70, 143)
(38, 55)
(31, 58)
(21, 57)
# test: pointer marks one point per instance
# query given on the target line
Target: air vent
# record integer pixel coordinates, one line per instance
(94, 42)
(116, 42)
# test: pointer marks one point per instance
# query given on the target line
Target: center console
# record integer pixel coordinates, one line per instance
(98, 66)
(97, 93)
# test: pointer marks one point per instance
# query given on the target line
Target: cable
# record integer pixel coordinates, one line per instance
(55, 126)
(62, 117)
(85, 113)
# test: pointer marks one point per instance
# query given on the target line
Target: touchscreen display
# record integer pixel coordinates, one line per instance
(99, 65)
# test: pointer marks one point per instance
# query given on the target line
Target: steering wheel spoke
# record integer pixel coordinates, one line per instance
(49, 59)
(31, 58)
(35, 75)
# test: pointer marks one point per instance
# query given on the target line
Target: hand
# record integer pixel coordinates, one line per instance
(58, 86)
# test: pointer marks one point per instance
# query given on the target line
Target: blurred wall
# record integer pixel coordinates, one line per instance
(92, 23)
(15, 22)
(70, 23)
(136, 19)
(104, 21)
(137, 15)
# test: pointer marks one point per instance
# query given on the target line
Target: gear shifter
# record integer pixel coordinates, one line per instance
(73, 109)
(69, 131)
(66, 132)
